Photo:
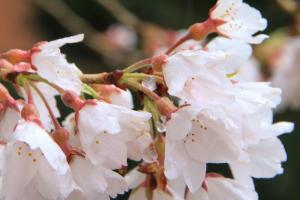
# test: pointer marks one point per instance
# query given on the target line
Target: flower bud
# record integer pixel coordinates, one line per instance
(165, 106)
(72, 100)
(15, 56)
(158, 62)
(30, 112)
(60, 135)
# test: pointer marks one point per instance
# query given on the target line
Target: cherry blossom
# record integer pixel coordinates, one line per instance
(202, 101)
(52, 65)
(249, 71)
(113, 133)
(240, 21)
(218, 188)
(197, 68)
(233, 53)
(33, 161)
(96, 181)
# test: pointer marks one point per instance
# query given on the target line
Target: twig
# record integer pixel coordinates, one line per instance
(121, 13)
(74, 24)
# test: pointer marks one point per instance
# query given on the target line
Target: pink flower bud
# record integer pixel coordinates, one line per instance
(72, 100)
(30, 112)
(158, 62)
(15, 56)
(165, 106)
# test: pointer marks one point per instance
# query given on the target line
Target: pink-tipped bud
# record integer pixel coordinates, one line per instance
(60, 135)
(30, 112)
(158, 62)
(72, 100)
(165, 106)
(15, 56)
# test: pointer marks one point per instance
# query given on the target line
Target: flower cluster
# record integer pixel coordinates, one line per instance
(196, 109)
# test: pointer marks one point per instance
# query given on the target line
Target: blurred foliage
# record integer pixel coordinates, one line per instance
(179, 14)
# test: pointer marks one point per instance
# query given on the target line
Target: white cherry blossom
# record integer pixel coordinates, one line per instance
(241, 21)
(265, 154)
(96, 181)
(52, 65)
(110, 133)
(207, 135)
(251, 96)
(200, 81)
(234, 53)
(35, 163)
(249, 72)
(179, 164)
(219, 188)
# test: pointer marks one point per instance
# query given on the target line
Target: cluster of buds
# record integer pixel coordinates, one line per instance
(195, 110)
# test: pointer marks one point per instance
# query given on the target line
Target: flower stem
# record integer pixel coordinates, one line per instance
(95, 78)
(179, 42)
(53, 118)
(142, 76)
(137, 86)
(35, 77)
(28, 92)
(138, 65)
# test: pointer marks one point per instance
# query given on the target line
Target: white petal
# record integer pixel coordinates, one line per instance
(37, 138)
(265, 159)
(139, 194)
(122, 98)
(137, 147)
(96, 181)
(177, 188)
(19, 170)
(180, 123)
(201, 194)
(233, 52)
(134, 178)
(8, 122)
(52, 65)
(88, 177)
(51, 184)
(63, 41)
(224, 188)
(242, 21)
(161, 195)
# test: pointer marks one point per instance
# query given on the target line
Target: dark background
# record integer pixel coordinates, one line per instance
(22, 23)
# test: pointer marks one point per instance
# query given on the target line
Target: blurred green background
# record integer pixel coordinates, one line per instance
(24, 22)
